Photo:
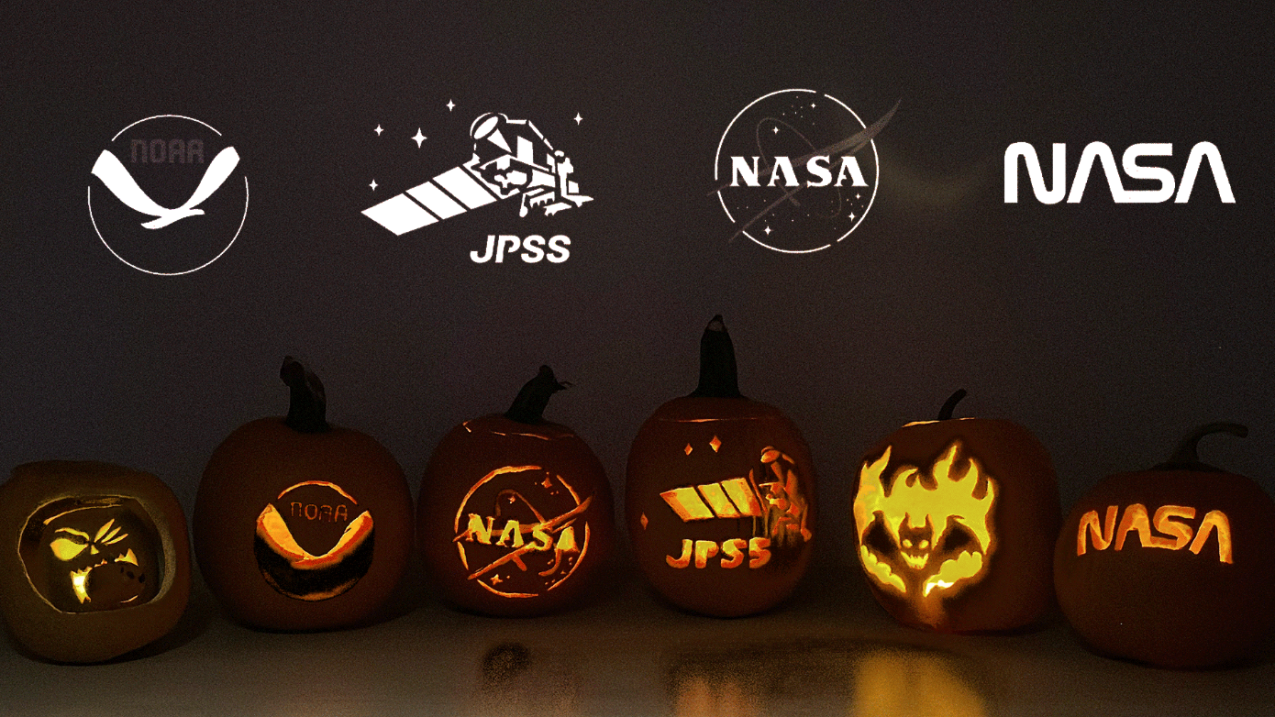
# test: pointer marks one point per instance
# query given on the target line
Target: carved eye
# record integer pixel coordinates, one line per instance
(65, 549)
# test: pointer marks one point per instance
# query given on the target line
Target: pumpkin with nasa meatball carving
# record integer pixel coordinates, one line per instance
(955, 521)
(1172, 566)
(299, 524)
(95, 561)
(515, 515)
(720, 494)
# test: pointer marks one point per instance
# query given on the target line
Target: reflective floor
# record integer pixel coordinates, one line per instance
(829, 651)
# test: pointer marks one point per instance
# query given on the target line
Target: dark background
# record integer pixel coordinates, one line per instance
(1108, 329)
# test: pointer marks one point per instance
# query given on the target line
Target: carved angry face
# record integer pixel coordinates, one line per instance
(926, 535)
(90, 554)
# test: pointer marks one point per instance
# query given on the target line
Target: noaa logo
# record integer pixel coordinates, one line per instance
(171, 195)
(797, 170)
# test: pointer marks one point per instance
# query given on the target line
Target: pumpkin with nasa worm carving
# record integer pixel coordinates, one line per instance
(1172, 566)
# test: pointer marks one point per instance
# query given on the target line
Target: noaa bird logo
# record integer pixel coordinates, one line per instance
(157, 173)
(117, 179)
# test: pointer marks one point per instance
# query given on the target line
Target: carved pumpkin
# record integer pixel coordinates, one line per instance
(299, 524)
(720, 494)
(97, 563)
(955, 521)
(515, 513)
(1172, 566)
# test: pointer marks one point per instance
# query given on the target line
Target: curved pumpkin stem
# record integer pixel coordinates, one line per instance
(718, 375)
(1187, 455)
(945, 413)
(307, 403)
(529, 405)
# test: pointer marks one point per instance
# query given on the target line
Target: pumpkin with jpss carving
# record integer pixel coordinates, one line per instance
(299, 524)
(94, 559)
(720, 495)
(955, 521)
(515, 514)
(1172, 566)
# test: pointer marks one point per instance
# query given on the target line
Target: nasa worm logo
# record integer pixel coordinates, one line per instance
(797, 170)
(171, 195)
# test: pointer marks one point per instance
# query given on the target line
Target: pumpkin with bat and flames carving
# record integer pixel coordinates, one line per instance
(98, 564)
(954, 524)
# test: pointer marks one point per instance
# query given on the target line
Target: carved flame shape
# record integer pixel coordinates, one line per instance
(919, 512)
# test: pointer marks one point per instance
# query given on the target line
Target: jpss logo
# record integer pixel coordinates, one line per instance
(510, 158)
(1100, 154)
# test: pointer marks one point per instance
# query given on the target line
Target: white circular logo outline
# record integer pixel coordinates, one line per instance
(129, 264)
(876, 179)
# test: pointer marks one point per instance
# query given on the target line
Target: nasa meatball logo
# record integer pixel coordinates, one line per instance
(797, 170)
(169, 195)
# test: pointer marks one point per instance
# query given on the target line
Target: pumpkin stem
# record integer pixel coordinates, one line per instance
(1187, 455)
(945, 413)
(529, 406)
(307, 404)
(718, 376)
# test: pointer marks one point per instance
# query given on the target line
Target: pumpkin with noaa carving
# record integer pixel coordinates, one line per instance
(1172, 566)
(720, 494)
(95, 561)
(299, 524)
(515, 515)
(955, 521)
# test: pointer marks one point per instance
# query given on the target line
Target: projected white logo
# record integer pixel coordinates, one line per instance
(510, 158)
(1134, 163)
(156, 178)
(797, 170)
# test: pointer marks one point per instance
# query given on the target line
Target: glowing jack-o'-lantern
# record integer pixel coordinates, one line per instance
(1173, 566)
(299, 524)
(98, 563)
(954, 523)
(515, 513)
(720, 494)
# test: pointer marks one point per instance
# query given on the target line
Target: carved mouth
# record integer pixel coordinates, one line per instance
(915, 560)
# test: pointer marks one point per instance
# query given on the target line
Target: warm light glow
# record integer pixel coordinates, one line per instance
(274, 531)
(529, 534)
(919, 512)
(1168, 520)
(323, 484)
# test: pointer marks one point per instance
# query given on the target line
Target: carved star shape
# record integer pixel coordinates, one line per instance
(418, 138)
(578, 119)
(450, 105)
(378, 130)
(373, 185)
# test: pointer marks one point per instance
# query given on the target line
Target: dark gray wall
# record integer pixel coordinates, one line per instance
(1109, 329)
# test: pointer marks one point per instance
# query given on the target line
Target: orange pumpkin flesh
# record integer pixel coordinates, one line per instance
(515, 515)
(720, 495)
(300, 525)
(95, 561)
(1173, 566)
(955, 522)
